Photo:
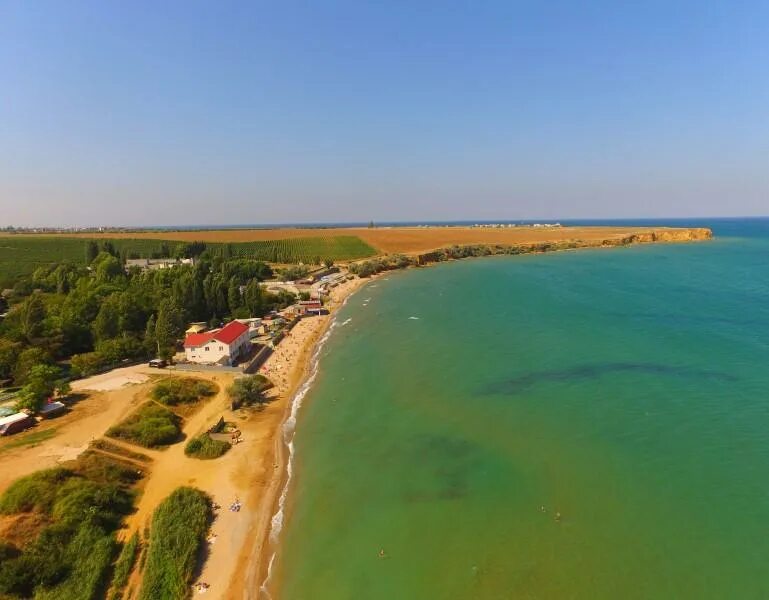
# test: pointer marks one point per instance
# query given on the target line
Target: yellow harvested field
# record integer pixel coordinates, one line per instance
(407, 240)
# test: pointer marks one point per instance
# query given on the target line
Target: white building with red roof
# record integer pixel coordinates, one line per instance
(220, 346)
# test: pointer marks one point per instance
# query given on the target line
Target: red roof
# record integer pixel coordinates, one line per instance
(230, 332)
(197, 339)
(227, 334)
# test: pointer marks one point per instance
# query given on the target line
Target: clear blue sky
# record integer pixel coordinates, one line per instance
(142, 113)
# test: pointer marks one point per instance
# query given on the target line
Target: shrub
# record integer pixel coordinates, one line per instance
(34, 492)
(179, 526)
(249, 390)
(87, 364)
(150, 426)
(182, 390)
(204, 447)
(70, 557)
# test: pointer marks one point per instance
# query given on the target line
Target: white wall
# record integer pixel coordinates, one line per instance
(214, 351)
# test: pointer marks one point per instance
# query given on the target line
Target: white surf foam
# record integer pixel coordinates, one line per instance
(289, 431)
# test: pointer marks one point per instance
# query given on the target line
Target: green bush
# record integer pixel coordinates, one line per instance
(71, 556)
(79, 500)
(179, 526)
(36, 492)
(182, 390)
(87, 364)
(150, 426)
(249, 390)
(204, 447)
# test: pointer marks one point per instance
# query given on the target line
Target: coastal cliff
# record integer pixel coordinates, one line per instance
(670, 235)
(651, 236)
(455, 252)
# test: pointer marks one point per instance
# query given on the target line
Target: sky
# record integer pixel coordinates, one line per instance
(202, 113)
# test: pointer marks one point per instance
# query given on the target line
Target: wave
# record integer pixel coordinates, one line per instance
(289, 431)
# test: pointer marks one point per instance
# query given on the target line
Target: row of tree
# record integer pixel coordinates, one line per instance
(100, 314)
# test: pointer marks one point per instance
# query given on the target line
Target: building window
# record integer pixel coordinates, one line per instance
(221, 348)
(207, 348)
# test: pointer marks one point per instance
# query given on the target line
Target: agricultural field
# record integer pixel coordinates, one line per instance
(21, 254)
(309, 250)
(391, 240)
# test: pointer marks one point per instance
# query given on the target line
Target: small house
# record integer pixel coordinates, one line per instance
(221, 346)
(310, 307)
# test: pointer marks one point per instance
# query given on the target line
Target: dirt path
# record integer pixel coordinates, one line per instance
(88, 420)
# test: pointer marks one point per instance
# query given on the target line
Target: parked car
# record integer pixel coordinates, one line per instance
(158, 363)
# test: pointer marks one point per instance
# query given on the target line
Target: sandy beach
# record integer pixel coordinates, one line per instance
(237, 561)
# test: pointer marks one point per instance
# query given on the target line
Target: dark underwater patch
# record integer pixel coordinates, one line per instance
(444, 466)
(519, 384)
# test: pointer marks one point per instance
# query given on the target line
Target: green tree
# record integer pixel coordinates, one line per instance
(108, 268)
(33, 318)
(27, 360)
(168, 328)
(43, 382)
(150, 340)
(249, 390)
(254, 298)
(109, 248)
(91, 251)
(106, 325)
(234, 299)
(329, 262)
(9, 354)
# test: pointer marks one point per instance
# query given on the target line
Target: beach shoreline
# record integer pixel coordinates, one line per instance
(254, 558)
(252, 562)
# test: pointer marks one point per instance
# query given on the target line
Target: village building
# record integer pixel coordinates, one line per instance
(222, 346)
(309, 307)
(152, 264)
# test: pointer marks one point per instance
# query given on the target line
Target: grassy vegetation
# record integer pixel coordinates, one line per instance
(178, 532)
(31, 438)
(249, 390)
(104, 445)
(204, 447)
(182, 390)
(310, 250)
(70, 554)
(150, 426)
(21, 254)
(124, 566)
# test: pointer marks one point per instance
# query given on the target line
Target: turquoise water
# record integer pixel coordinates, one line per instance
(625, 389)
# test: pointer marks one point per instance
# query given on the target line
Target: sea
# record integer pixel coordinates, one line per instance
(591, 424)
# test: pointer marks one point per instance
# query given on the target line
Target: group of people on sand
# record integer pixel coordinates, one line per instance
(276, 372)
(201, 587)
(235, 506)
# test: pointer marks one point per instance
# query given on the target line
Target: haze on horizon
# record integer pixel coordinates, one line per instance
(239, 112)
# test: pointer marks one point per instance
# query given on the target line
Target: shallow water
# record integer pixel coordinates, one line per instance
(625, 389)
